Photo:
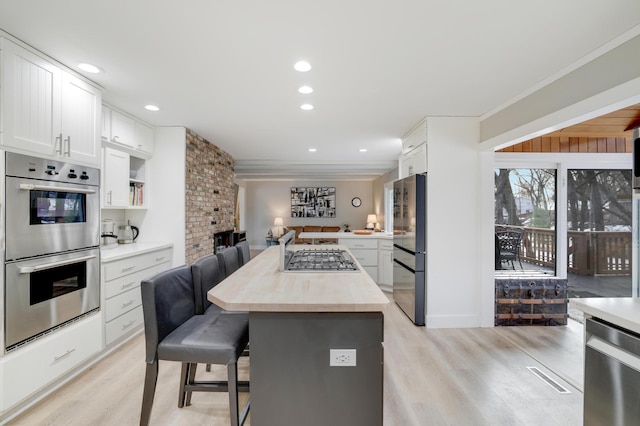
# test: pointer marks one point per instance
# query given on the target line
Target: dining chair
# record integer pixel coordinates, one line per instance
(509, 245)
(174, 332)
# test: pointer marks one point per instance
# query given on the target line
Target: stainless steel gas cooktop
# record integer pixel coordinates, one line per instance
(321, 260)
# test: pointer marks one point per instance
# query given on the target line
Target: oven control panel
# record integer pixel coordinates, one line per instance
(25, 166)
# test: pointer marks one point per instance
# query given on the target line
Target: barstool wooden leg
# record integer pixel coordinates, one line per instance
(150, 380)
(232, 378)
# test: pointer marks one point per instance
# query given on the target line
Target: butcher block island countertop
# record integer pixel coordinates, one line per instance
(259, 286)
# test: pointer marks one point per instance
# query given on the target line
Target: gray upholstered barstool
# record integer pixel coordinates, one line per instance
(229, 260)
(244, 252)
(174, 332)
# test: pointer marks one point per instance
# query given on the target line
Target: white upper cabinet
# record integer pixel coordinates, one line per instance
(106, 123)
(30, 101)
(415, 137)
(144, 138)
(80, 127)
(413, 162)
(123, 129)
(125, 132)
(46, 110)
(413, 159)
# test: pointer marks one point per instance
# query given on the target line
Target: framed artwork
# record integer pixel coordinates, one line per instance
(313, 202)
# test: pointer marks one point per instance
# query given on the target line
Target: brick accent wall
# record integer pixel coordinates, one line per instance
(209, 195)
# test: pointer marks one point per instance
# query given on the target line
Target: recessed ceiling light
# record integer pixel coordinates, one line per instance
(92, 69)
(305, 89)
(312, 150)
(302, 66)
(363, 149)
(151, 108)
(306, 107)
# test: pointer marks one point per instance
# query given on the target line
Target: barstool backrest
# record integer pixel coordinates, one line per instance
(207, 274)
(229, 261)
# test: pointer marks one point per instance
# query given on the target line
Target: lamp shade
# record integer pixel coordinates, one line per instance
(278, 221)
(371, 218)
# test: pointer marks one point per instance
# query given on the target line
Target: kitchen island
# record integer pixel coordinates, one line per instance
(316, 342)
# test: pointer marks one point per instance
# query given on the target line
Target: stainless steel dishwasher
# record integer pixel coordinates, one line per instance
(612, 375)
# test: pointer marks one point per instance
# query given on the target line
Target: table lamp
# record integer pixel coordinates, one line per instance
(371, 221)
(278, 223)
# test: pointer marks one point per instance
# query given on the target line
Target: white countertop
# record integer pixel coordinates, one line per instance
(121, 251)
(384, 235)
(621, 311)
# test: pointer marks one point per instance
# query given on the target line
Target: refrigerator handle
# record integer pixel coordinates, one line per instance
(404, 266)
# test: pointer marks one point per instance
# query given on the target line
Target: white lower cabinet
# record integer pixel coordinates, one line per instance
(121, 286)
(385, 264)
(28, 369)
(365, 251)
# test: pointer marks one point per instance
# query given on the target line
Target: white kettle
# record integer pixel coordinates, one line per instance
(128, 233)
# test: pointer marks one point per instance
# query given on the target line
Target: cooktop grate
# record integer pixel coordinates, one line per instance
(319, 260)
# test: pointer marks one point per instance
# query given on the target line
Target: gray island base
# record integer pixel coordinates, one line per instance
(292, 382)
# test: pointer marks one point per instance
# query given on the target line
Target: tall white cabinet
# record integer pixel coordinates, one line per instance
(46, 110)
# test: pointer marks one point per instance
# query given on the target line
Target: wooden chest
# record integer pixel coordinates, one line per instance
(531, 301)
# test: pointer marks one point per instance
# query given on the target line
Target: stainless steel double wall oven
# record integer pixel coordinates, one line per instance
(52, 257)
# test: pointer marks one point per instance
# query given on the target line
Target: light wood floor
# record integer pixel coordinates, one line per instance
(431, 377)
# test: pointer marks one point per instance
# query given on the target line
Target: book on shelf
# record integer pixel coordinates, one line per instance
(136, 194)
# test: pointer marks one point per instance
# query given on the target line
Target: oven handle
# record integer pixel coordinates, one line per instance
(31, 187)
(44, 266)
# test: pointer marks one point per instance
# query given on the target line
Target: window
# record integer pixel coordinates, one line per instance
(525, 219)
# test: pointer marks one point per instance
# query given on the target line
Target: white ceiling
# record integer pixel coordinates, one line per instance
(225, 68)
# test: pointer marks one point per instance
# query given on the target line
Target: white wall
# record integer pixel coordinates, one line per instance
(453, 227)
(266, 200)
(165, 219)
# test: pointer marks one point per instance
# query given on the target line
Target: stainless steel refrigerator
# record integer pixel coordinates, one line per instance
(410, 245)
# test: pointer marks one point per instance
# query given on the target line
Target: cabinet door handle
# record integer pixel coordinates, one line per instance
(160, 259)
(109, 196)
(59, 139)
(129, 268)
(68, 141)
(64, 355)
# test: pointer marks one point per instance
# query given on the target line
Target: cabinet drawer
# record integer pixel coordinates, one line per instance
(120, 268)
(26, 370)
(122, 303)
(128, 282)
(385, 244)
(123, 325)
(359, 243)
(366, 257)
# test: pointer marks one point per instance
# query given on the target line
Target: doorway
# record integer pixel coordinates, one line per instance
(599, 221)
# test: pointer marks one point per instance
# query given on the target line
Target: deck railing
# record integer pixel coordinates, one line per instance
(588, 252)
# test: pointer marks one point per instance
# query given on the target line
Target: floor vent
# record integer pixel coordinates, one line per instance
(557, 386)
